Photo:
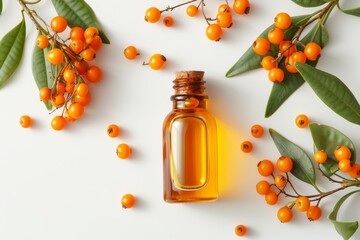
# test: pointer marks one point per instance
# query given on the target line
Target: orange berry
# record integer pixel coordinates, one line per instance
(90, 33)
(285, 214)
(312, 51)
(69, 75)
(280, 181)
(257, 131)
(282, 20)
(224, 8)
(268, 62)
(123, 151)
(58, 100)
(77, 33)
(263, 187)
(313, 213)
(58, 123)
(58, 24)
(55, 56)
(284, 164)
(81, 66)
(345, 165)
(276, 75)
(342, 152)
(25, 121)
(77, 45)
(192, 10)
(261, 46)
(45, 94)
(246, 146)
(286, 48)
(271, 198)
(224, 19)
(214, 32)
(96, 43)
(276, 36)
(320, 156)
(265, 168)
(42, 41)
(113, 130)
(240, 230)
(355, 171)
(94, 74)
(76, 110)
(302, 121)
(130, 52)
(241, 6)
(168, 21)
(88, 54)
(128, 201)
(302, 203)
(152, 15)
(157, 61)
(82, 89)
(83, 100)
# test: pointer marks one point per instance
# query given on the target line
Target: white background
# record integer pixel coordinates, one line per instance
(68, 184)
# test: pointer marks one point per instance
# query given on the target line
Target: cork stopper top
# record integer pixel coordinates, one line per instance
(189, 83)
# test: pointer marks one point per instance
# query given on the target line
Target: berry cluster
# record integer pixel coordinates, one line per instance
(156, 61)
(215, 26)
(290, 51)
(71, 69)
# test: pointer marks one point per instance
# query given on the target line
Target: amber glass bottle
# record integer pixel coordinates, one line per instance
(190, 143)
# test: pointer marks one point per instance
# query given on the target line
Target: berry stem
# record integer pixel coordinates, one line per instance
(176, 6)
(33, 15)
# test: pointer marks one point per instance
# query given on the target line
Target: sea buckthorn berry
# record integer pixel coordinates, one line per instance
(320, 156)
(192, 10)
(240, 230)
(286, 48)
(276, 75)
(302, 121)
(345, 165)
(58, 123)
(157, 61)
(123, 151)
(282, 20)
(224, 19)
(290, 64)
(76, 110)
(263, 187)
(168, 21)
(152, 15)
(271, 198)
(77, 45)
(82, 89)
(241, 6)
(96, 43)
(268, 62)
(313, 213)
(94, 74)
(81, 66)
(113, 130)
(265, 168)
(60, 88)
(284, 164)
(355, 171)
(298, 56)
(342, 152)
(224, 8)
(83, 100)
(25, 121)
(69, 88)
(58, 100)
(257, 131)
(68, 118)
(284, 214)
(214, 32)
(276, 36)
(77, 33)
(42, 41)
(55, 56)
(69, 75)
(45, 94)
(312, 51)
(302, 203)
(261, 46)
(130, 52)
(128, 201)
(88, 54)
(90, 33)
(58, 24)
(246, 146)
(280, 181)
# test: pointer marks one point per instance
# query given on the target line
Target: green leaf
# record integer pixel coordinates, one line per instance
(79, 13)
(332, 91)
(281, 92)
(1, 6)
(11, 50)
(250, 60)
(345, 229)
(309, 3)
(353, 11)
(303, 167)
(42, 71)
(328, 138)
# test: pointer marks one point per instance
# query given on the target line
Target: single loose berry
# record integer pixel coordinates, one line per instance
(58, 24)
(261, 46)
(320, 156)
(168, 21)
(312, 51)
(152, 15)
(240, 230)
(25, 121)
(123, 151)
(257, 131)
(192, 10)
(241, 6)
(157, 61)
(128, 201)
(265, 168)
(276, 75)
(282, 20)
(284, 164)
(302, 203)
(130, 52)
(313, 213)
(342, 152)
(285, 214)
(280, 181)
(113, 130)
(246, 146)
(214, 32)
(263, 187)
(302, 121)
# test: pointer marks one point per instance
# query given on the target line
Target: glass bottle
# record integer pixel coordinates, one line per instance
(190, 143)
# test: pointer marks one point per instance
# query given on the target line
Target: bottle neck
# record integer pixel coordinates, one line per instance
(189, 101)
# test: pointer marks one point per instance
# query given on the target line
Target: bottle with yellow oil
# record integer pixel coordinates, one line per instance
(190, 143)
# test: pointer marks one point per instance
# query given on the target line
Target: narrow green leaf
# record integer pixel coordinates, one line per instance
(309, 3)
(11, 50)
(332, 91)
(281, 92)
(41, 69)
(328, 138)
(345, 229)
(353, 11)
(303, 167)
(79, 13)
(1, 6)
(250, 60)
